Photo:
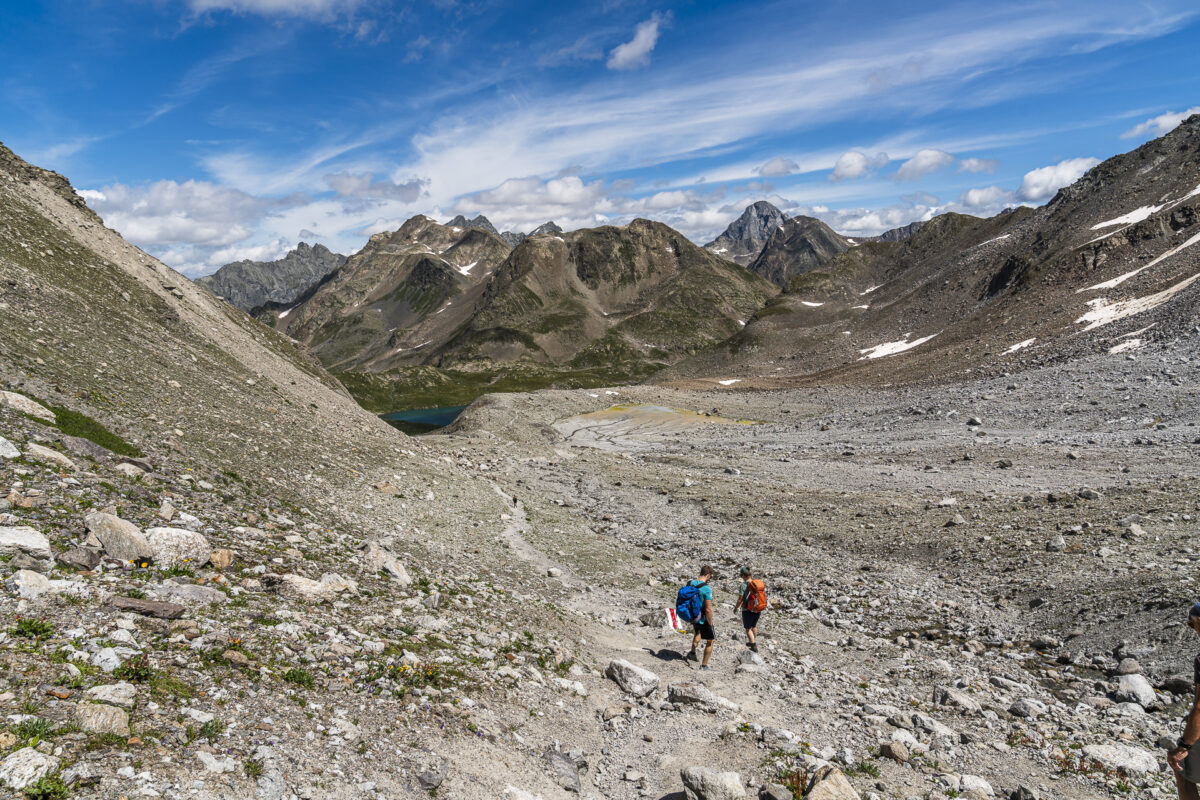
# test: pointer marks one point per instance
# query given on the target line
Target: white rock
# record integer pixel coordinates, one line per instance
(8, 449)
(107, 659)
(1121, 756)
(23, 539)
(830, 784)
(26, 766)
(19, 402)
(178, 547)
(702, 783)
(632, 678)
(120, 539)
(47, 456)
(974, 782)
(99, 718)
(27, 584)
(330, 586)
(214, 764)
(1136, 689)
(114, 694)
(129, 470)
(377, 559)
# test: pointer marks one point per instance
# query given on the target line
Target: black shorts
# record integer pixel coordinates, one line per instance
(705, 630)
(750, 619)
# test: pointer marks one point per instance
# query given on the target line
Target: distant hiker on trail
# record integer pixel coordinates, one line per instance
(752, 600)
(1185, 758)
(694, 604)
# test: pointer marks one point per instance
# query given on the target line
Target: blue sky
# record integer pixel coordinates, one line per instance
(212, 130)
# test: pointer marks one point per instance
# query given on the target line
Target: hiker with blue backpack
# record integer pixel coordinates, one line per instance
(694, 604)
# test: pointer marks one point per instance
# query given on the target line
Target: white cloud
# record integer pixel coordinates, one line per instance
(777, 167)
(987, 200)
(1163, 123)
(924, 163)
(854, 164)
(1041, 184)
(636, 52)
(976, 165)
(195, 225)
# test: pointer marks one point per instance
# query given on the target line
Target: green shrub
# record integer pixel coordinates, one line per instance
(49, 787)
(33, 628)
(300, 677)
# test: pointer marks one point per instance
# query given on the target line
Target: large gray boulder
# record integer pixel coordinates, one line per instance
(21, 403)
(23, 539)
(702, 783)
(120, 539)
(45, 455)
(1122, 756)
(25, 766)
(1135, 689)
(102, 719)
(178, 547)
(631, 678)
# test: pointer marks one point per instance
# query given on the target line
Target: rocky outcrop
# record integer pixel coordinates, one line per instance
(251, 284)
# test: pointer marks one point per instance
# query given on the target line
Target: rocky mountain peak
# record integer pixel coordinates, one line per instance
(799, 245)
(743, 240)
(546, 227)
(252, 284)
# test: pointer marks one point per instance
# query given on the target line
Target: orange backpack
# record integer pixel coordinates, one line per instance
(756, 597)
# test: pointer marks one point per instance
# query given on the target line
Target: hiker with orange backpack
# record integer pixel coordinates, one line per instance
(752, 600)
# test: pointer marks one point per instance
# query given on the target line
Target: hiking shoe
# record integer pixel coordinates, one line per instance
(692, 656)
(704, 667)
(754, 646)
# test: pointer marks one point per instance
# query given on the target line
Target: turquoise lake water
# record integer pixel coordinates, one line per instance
(423, 418)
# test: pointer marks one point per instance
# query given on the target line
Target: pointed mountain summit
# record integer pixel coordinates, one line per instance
(743, 240)
(251, 284)
(546, 227)
(482, 223)
(798, 246)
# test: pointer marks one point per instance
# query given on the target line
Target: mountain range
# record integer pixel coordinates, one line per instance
(250, 284)
(434, 313)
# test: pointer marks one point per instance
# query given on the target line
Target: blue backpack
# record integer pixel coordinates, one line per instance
(689, 605)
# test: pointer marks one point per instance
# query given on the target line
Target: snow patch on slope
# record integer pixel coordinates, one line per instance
(893, 348)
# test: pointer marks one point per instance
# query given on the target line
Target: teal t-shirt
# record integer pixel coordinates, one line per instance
(705, 592)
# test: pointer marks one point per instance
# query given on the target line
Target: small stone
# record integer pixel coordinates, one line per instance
(1120, 756)
(236, 657)
(830, 784)
(27, 584)
(631, 678)
(148, 608)
(119, 538)
(122, 694)
(82, 773)
(1135, 689)
(178, 547)
(702, 783)
(38, 452)
(83, 559)
(1057, 544)
(376, 558)
(213, 764)
(956, 520)
(221, 558)
(896, 751)
(1129, 666)
(102, 719)
(554, 572)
